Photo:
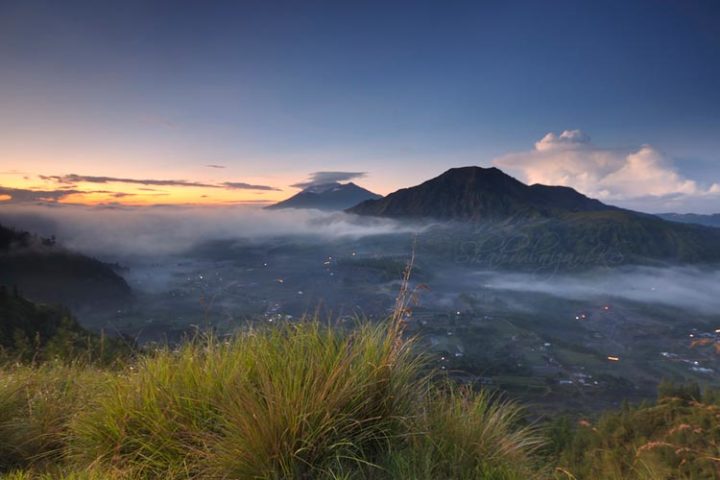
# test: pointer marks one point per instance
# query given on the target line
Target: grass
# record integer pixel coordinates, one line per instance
(298, 401)
(466, 434)
(675, 438)
(35, 406)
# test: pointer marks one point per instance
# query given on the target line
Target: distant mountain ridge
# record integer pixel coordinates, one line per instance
(707, 220)
(499, 217)
(328, 196)
(46, 272)
(32, 332)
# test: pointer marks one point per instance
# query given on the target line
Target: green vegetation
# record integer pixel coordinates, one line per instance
(36, 333)
(47, 272)
(676, 438)
(294, 401)
(389, 269)
(36, 404)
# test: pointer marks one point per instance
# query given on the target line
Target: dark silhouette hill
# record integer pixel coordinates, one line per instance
(476, 193)
(46, 272)
(37, 332)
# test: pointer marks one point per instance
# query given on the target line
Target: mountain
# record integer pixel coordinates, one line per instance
(498, 221)
(328, 196)
(707, 220)
(475, 193)
(46, 272)
(36, 332)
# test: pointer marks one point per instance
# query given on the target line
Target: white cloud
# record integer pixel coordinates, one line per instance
(642, 178)
(323, 178)
(566, 138)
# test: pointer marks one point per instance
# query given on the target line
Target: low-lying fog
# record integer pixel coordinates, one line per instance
(112, 231)
(689, 288)
(166, 247)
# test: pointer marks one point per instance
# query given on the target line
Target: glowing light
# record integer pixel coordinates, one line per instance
(132, 194)
(613, 358)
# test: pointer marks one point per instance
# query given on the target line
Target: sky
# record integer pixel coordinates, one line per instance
(164, 102)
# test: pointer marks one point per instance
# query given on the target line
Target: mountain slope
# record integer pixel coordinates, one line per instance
(475, 193)
(35, 332)
(329, 196)
(46, 272)
(497, 221)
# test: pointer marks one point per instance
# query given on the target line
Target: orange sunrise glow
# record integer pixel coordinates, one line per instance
(43, 189)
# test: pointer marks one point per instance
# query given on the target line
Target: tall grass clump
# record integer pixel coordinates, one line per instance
(36, 408)
(293, 401)
(60, 474)
(316, 403)
(465, 434)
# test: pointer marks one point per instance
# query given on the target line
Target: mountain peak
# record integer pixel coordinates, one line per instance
(328, 196)
(477, 193)
(479, 176)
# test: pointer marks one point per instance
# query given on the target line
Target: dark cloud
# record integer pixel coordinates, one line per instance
(321, 178)
(68, 182)
(247, 186)
(23, 196)
(215, 166)
(20, 195)
(72, 179)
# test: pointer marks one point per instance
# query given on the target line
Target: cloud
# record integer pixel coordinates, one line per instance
(322, 178)
(27, 196)
(566, 138)
(642, 178)
(215, 166)
(21, 195)
(247, 186)
(72, 179)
